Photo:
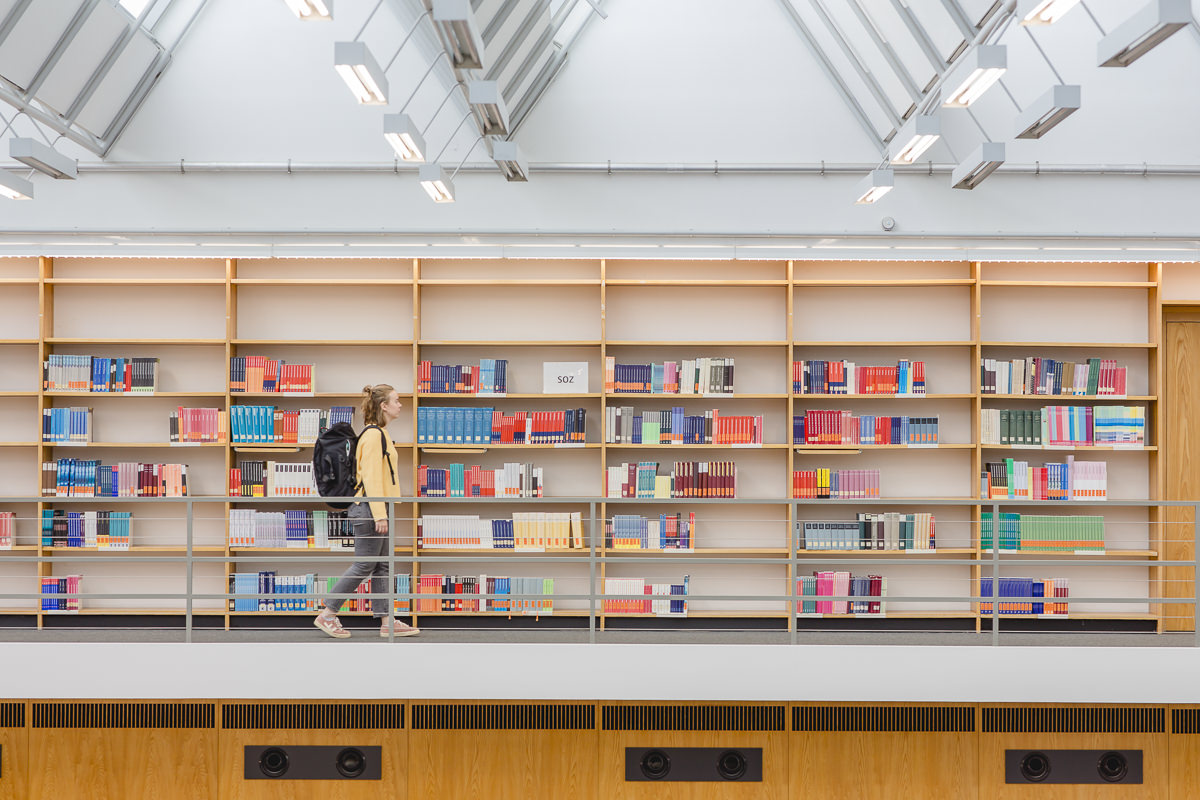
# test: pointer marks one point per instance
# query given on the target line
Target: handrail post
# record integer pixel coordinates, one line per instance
(187, 619)
(592, 572)
(995, 574)
(391, 579)
(794, 603)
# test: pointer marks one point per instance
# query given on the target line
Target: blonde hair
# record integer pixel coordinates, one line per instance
(374, 397)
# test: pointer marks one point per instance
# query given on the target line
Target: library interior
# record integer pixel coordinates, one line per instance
(599, 399)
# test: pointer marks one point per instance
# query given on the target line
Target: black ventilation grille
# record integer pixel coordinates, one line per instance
(124, 715)
(694, 718)
(1074, 720)
(388, 716)
(884, 718)
(12, 715)
(1185, 720)
(504, 717)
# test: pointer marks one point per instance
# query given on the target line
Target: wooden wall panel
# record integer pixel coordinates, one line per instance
(502, 764)
(232, 786)
(1181, 410)
(613, 786)
(107, 763)
(14, 764)
(861, 765)
(991, 765)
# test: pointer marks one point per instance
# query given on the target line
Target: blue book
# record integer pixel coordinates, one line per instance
(460, 421)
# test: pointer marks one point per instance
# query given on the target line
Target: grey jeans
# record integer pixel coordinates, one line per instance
(367, 544)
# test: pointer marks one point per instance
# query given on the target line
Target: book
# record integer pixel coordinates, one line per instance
(834, 427)
(906, 379)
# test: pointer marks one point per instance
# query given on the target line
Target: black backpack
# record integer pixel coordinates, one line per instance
(334, 467)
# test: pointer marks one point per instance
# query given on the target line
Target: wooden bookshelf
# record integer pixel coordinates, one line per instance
(950, 314)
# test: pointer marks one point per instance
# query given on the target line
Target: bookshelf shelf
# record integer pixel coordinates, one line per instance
(1072, 399)
(512, 552)
(108, 395)
(131, 341)
(320, 282)
(1062, 345)
(319, 342)
(886, 282)
(694, 343)
(818, 448)
(889, 397)
(1083, 448)
(137, 548)
(511, 343)
(138, 445)
(767, 446)
(636, 311)
(852, 343)
(610, 552)
(1110, 554)
(725, 283)
(427, 396)
(135, 281)
(941, 551)
(508, 282)
(1074, 284)
(700, 397)
(482, 447)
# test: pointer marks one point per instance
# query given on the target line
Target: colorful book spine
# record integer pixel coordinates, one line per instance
(836, 484)
(906, 379)
(262, 375)
(699, 376)
(641, 597)
(636, 532)
(715, 479)
(1038, 375)
(1017, 596)
(891, 531)
(533, 531)
(834, 427)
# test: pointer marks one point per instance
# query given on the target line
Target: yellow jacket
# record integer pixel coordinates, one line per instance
(377, 480)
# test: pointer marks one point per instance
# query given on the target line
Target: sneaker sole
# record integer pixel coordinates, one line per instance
(343, 634)
(403, 633)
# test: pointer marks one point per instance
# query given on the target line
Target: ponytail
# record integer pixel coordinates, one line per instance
(373, 398)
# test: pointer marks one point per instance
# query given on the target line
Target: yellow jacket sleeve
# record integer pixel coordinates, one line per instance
(377, 480)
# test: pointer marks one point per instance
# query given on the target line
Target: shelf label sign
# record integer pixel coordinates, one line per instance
(564, 377)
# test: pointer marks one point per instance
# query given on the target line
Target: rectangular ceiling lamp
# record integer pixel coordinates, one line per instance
(489, 107)
(435, 183)
(361, 72)
(1144, 31)
(15, 188)
(914, 138)
(404, 137)
(456, 24)
(1043, 12)
(975, 73)
(874, 186)
(311, 9)
(44, 159)
(1047, 111)
(508, 158)
(983, 162)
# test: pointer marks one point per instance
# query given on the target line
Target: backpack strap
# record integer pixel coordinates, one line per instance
(383, 442)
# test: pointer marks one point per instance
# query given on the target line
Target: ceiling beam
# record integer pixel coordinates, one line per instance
(815, 48)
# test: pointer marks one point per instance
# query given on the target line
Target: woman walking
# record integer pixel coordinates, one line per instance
(376, 461)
